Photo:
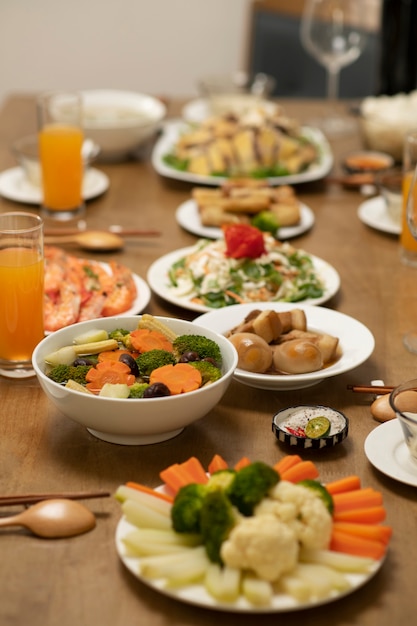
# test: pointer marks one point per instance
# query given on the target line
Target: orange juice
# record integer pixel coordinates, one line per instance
(21, 303)
(407, 240)
(62, 167)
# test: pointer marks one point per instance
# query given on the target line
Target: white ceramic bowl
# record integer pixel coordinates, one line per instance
(127, 421)
(120, 122)
(355, 340)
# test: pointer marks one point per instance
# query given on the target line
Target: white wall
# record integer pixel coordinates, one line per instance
(154, 46)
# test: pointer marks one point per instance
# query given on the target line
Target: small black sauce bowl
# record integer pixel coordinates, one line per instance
(338, 432)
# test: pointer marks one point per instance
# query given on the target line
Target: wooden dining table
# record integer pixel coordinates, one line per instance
(81, 580)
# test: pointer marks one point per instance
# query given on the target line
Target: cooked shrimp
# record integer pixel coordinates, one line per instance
(63, 311)
(121, 297)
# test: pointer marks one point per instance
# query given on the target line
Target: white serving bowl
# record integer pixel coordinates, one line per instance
(120, 122)
(355, 341)
(127, 421)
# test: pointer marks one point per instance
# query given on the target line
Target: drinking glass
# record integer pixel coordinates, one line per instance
(410, 338)
(60, 152)
(21, 302)
(332, 31)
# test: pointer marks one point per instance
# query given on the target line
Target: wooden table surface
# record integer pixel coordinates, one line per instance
(81, 581)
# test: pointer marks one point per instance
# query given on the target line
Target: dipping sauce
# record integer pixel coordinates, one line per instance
(368, 161)
(289, 426)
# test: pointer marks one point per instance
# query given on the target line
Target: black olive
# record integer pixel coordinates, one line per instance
(157, 390)
(189, 356)
(82, 361)
(209, 359)
(128, 360)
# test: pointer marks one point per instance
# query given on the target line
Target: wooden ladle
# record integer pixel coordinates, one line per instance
(90, 240)
(53, 518)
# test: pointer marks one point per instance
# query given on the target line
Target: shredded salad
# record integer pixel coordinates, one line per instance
(210, 277)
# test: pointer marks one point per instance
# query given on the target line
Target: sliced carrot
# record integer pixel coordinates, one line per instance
(301, 471)
(377, 532)
(286, 462)
(114, 372)
(356, 499)
(243, 462)
(179, 378)
(145, 489)
(368, 515)
(175, 477)
(351, 544)
(348, 483)
(144, 340)
(195, 470)
(217, 463)
(114, 355)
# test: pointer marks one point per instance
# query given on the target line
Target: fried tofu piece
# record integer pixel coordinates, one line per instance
(286, 214)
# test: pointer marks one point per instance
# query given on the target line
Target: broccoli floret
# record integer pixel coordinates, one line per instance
(209, 372)
(221, 479)
(64, 373)
(137, 390)
(217, 518)
(266, 221)
(205, 348)
(121, 335)
(250, 485)
(151, 360)
(186, 508)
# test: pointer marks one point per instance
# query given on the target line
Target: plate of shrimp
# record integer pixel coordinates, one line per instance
(78, 289)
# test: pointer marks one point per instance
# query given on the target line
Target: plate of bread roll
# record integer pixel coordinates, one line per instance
(245, 201)
(283, 346)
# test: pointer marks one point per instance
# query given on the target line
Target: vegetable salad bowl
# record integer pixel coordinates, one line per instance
(131, 421)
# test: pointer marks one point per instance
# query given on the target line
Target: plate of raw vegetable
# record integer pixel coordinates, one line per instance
(243, 537)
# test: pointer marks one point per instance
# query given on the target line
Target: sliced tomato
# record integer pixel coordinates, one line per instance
(243, 241)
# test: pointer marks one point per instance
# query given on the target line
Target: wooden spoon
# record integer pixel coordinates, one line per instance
(54, 518)
(90, 240)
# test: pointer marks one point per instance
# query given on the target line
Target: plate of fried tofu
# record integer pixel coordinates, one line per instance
(245, 201)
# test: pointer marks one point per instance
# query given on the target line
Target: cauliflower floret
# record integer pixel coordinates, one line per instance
(263, 544)
(303, 510)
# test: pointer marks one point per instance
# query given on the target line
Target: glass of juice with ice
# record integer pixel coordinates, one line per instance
(22, 283)
(60, 151)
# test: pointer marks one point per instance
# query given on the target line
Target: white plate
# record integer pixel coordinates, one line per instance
(197, 595)
(15, 186)
(173, 129)
(356, 341)
(374, 213)
(188, 217)
(158, 280)
(386, 449)
(196, 111)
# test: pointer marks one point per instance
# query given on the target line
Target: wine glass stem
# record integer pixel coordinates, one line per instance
(333, 84)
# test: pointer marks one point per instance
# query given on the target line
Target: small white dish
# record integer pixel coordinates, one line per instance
(386, 449)
(355, 340)
(158, 280)
(188, 217)
(15, 186)
(173, 129)
(374, 213)
(196, 111)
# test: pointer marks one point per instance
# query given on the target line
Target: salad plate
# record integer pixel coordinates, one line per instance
(14, 185)
(158, 279)
(173, 129)
(356, 342)
(373, 213)
(188, 217)
(197, 595)
(387, 451)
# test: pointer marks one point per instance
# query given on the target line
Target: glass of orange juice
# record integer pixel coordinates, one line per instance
(60, 152)
(21, 302)
(408, 244)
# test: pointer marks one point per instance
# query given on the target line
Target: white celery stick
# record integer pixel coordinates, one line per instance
(338, 560)
(223, 583)
(143, 516)
(178, 569)
(124, 492)
(256, 591)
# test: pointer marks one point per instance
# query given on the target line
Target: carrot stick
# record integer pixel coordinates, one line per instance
(175, 477)
(348, 483)
(243, 462)
(301, 471)
(357, 499)
(351, 544)
(370, 515)
(149, 490)
(217, 463)
(377, 532)
(286, 462)
(195, 470)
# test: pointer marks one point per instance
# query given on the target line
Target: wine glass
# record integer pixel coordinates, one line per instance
(332, 31)
(410, 338)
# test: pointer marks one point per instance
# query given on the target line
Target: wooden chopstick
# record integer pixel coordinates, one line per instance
(37, 497)
(379, 389)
